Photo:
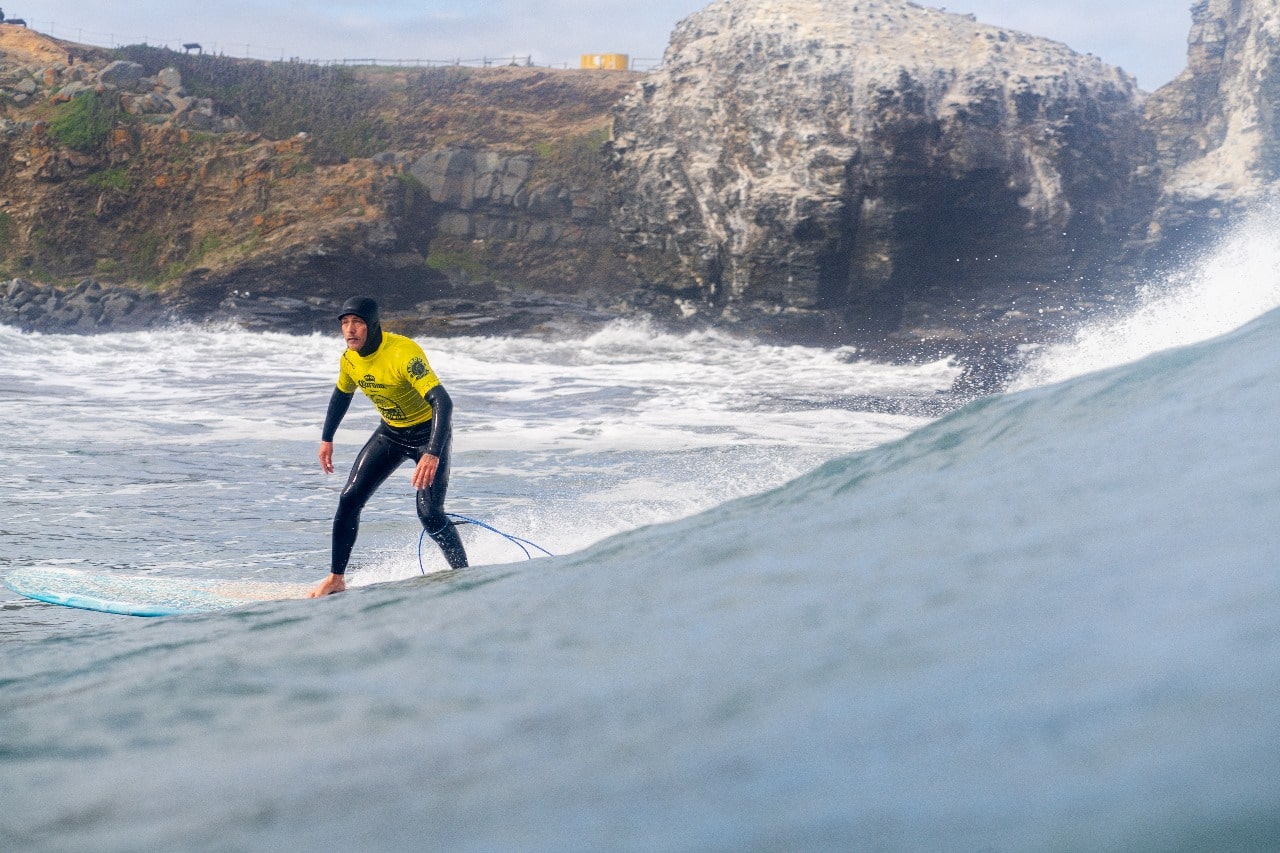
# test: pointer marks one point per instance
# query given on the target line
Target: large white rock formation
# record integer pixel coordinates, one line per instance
(850, 159)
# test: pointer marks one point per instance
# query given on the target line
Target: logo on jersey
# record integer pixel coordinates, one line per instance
(369, 382)
(417, 368)
(387, 407)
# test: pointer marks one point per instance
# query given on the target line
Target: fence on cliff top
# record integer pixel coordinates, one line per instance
(247, 50)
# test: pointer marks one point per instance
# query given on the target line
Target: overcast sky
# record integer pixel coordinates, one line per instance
(1145, 37)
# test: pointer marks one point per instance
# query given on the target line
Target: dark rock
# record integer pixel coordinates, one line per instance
(20, 292)
(87, 307)
(464, 180)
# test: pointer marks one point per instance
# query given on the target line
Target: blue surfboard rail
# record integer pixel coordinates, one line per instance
(143, 595)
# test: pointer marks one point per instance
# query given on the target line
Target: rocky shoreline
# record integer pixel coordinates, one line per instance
(87, 308)
(907, 182)
(92, 307)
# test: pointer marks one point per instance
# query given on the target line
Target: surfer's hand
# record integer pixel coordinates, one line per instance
(326, 456)
(328, 586)
(425, 473)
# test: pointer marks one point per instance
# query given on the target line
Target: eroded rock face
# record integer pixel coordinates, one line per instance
(489, 196)
(870, 163)
(1218, 123)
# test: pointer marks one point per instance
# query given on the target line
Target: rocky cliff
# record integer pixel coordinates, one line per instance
(843, 172)
(464, 199)
(875, 167)
(1218, 123)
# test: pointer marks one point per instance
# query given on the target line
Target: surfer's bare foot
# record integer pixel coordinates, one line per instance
(328, 586)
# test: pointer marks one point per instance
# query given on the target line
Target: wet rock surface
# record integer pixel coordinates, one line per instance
(87, 308)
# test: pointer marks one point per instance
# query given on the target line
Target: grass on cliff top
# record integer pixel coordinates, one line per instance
(281, 99)
(360, 111)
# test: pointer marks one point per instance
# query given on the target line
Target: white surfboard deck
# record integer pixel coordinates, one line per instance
(142, 595)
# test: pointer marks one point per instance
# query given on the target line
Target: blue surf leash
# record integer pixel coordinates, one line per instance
(519, 543)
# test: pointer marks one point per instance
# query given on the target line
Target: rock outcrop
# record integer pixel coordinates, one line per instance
(483, 195)
(838, 171)
(874, 167)
(155, 99)
(1218, 122)
(484, 212)
(87, 307)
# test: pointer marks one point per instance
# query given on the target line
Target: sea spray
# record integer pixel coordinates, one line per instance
(1233, 282)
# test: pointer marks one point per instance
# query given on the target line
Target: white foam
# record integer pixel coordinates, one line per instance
(1234, 283)
(563, 442)
(628, 387)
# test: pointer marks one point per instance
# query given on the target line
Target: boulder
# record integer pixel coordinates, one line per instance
(122, 74)
(873, 164)
(75, 87)
(149, 103)
(170, 78)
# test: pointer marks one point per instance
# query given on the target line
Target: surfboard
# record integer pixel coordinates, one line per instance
(142, 595)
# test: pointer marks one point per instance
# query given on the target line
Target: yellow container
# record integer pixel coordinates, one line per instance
(606, 61)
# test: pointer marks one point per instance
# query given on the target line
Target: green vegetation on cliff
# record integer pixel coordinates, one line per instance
(85, 122)
(576, 160)
(358, 112)
(282, 99)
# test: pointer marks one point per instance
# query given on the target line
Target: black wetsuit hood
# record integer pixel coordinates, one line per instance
(366, 309)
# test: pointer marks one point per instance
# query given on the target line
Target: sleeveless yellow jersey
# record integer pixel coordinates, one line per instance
(395, 378)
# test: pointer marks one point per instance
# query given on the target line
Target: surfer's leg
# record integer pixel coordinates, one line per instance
(431, 512)
(374, 464)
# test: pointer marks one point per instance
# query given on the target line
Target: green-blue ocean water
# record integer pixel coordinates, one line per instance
(1048, 620)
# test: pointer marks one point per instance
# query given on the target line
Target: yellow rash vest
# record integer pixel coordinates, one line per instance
(396, 378)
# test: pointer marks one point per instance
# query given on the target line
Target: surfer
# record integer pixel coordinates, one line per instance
(394, 374)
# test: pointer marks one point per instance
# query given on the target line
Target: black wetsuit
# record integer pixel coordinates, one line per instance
(385, 451)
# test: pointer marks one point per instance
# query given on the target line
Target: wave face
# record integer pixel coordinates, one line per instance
(1047, 621)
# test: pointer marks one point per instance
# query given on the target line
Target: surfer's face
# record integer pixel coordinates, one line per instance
(354, 331)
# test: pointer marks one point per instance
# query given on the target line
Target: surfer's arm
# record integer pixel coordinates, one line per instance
(441, 426)
(339, 402)
(441, 419)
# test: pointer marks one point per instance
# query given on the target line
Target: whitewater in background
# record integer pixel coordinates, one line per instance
(803, 601)
(1235, 282)
(192, 451)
